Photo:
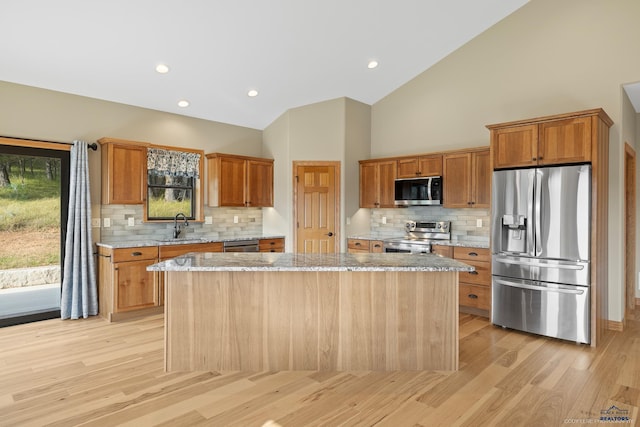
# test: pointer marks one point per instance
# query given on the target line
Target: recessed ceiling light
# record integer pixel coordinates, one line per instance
(252, 93)
(183, 103)
(372, 64)
(162, 68)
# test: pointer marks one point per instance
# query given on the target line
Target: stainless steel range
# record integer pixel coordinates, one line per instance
(419, 236)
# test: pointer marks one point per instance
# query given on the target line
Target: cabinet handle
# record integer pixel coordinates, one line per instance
(472, 254)
(272, 243)
(136, 253)
(475, 273)
(376, 245)
(272, 250)
(540, 158)
(473, 296)
(358, 244)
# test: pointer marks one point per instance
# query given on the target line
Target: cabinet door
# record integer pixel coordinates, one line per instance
(369, 185)
(135, 286)
(481, 179)
(565, 141)
(442, 250)
(386, 184)
(259, 183)
(430, 165)
(231, 181)
(412, 167)
(126, 168)
(457, 180)
(515, 146)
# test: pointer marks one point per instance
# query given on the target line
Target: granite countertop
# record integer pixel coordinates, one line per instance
(184, 241)
(242, 261)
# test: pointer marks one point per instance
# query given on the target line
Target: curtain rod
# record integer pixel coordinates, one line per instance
(93, 145)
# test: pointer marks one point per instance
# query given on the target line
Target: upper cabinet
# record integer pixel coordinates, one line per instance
(561, 139)
(239, 180)
(124, 170)
(411, 167)
(467, 179)
(377, 183)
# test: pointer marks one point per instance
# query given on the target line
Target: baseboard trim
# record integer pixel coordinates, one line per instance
(612, 325)
(133, 314)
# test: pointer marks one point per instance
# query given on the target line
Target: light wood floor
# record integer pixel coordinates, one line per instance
(89, 372)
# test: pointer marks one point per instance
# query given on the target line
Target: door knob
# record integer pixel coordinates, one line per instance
(329, 234)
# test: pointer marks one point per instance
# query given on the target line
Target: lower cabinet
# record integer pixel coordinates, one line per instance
(355, 246)
(475, 286)
(271, 245)
(125, 285)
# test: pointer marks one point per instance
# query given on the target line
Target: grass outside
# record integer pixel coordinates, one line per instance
(30, 222)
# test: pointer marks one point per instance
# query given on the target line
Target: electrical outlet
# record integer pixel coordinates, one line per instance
(95, 222)
(384, 219)
(131, 222)
(106, 222)
(208, 220)
(479, 223)
(235, 219)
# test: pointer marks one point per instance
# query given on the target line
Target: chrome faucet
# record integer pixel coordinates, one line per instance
(176, 226)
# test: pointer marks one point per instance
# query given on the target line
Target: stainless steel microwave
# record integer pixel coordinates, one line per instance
(425, 191)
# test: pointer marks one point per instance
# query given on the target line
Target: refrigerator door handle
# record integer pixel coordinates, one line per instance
(538, 288)
(531, 243)
(540, 263)
(538, 214)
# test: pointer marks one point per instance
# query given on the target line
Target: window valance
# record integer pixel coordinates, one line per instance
(173, 163)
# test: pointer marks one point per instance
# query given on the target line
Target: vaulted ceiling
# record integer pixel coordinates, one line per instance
(292, 52)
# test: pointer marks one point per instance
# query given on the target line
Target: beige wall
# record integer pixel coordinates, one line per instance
(547, 57)
(334, 130)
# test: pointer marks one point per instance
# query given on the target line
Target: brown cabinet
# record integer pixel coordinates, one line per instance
(355, 246)
(562, 139)
(474, 287)
(271, 245)
(411, 167)
(377, 183)
(124, 171)
(124, 283)
(239, 180)
(467, 179)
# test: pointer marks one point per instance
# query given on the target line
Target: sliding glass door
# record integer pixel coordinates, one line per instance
(34, 192)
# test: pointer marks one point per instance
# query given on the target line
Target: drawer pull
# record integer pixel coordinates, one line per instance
(473, 296)
(272, 250)
(473, 272)
(272, 243)
(136, 253)
(358, 244)
(473, 254)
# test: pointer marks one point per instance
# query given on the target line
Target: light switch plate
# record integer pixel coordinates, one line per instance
(131, 222)
(106, 222)
(384, 219)
(208, 220)
(479, 223)
(95, 222)
(235, 219)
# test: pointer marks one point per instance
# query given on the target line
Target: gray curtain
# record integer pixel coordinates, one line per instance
(79, 288)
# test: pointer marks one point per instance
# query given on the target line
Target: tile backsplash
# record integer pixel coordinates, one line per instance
(223, 227)
(390, 222)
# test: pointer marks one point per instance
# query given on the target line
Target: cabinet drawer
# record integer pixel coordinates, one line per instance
(475, 296)
(442, 250)
(482, 275)
(375, 246)
(359, 244)
(171, 251)
(134, 254)
(472, 254)
(271, 245)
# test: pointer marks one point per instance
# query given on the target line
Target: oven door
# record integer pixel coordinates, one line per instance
(404, 247)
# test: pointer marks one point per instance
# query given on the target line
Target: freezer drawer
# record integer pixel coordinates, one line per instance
(559, 311)
(542, 269)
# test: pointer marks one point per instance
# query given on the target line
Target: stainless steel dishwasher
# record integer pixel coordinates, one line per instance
(248, 245)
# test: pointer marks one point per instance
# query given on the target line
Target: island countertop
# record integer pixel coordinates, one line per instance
(242, 261)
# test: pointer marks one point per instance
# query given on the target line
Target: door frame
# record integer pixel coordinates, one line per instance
(336, 165)
(630, 226)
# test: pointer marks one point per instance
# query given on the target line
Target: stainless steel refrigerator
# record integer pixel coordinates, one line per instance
(540, 244)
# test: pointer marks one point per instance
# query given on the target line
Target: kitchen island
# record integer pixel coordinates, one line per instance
(329, 312)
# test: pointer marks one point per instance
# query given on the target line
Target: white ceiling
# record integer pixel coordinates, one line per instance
(294, 52)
